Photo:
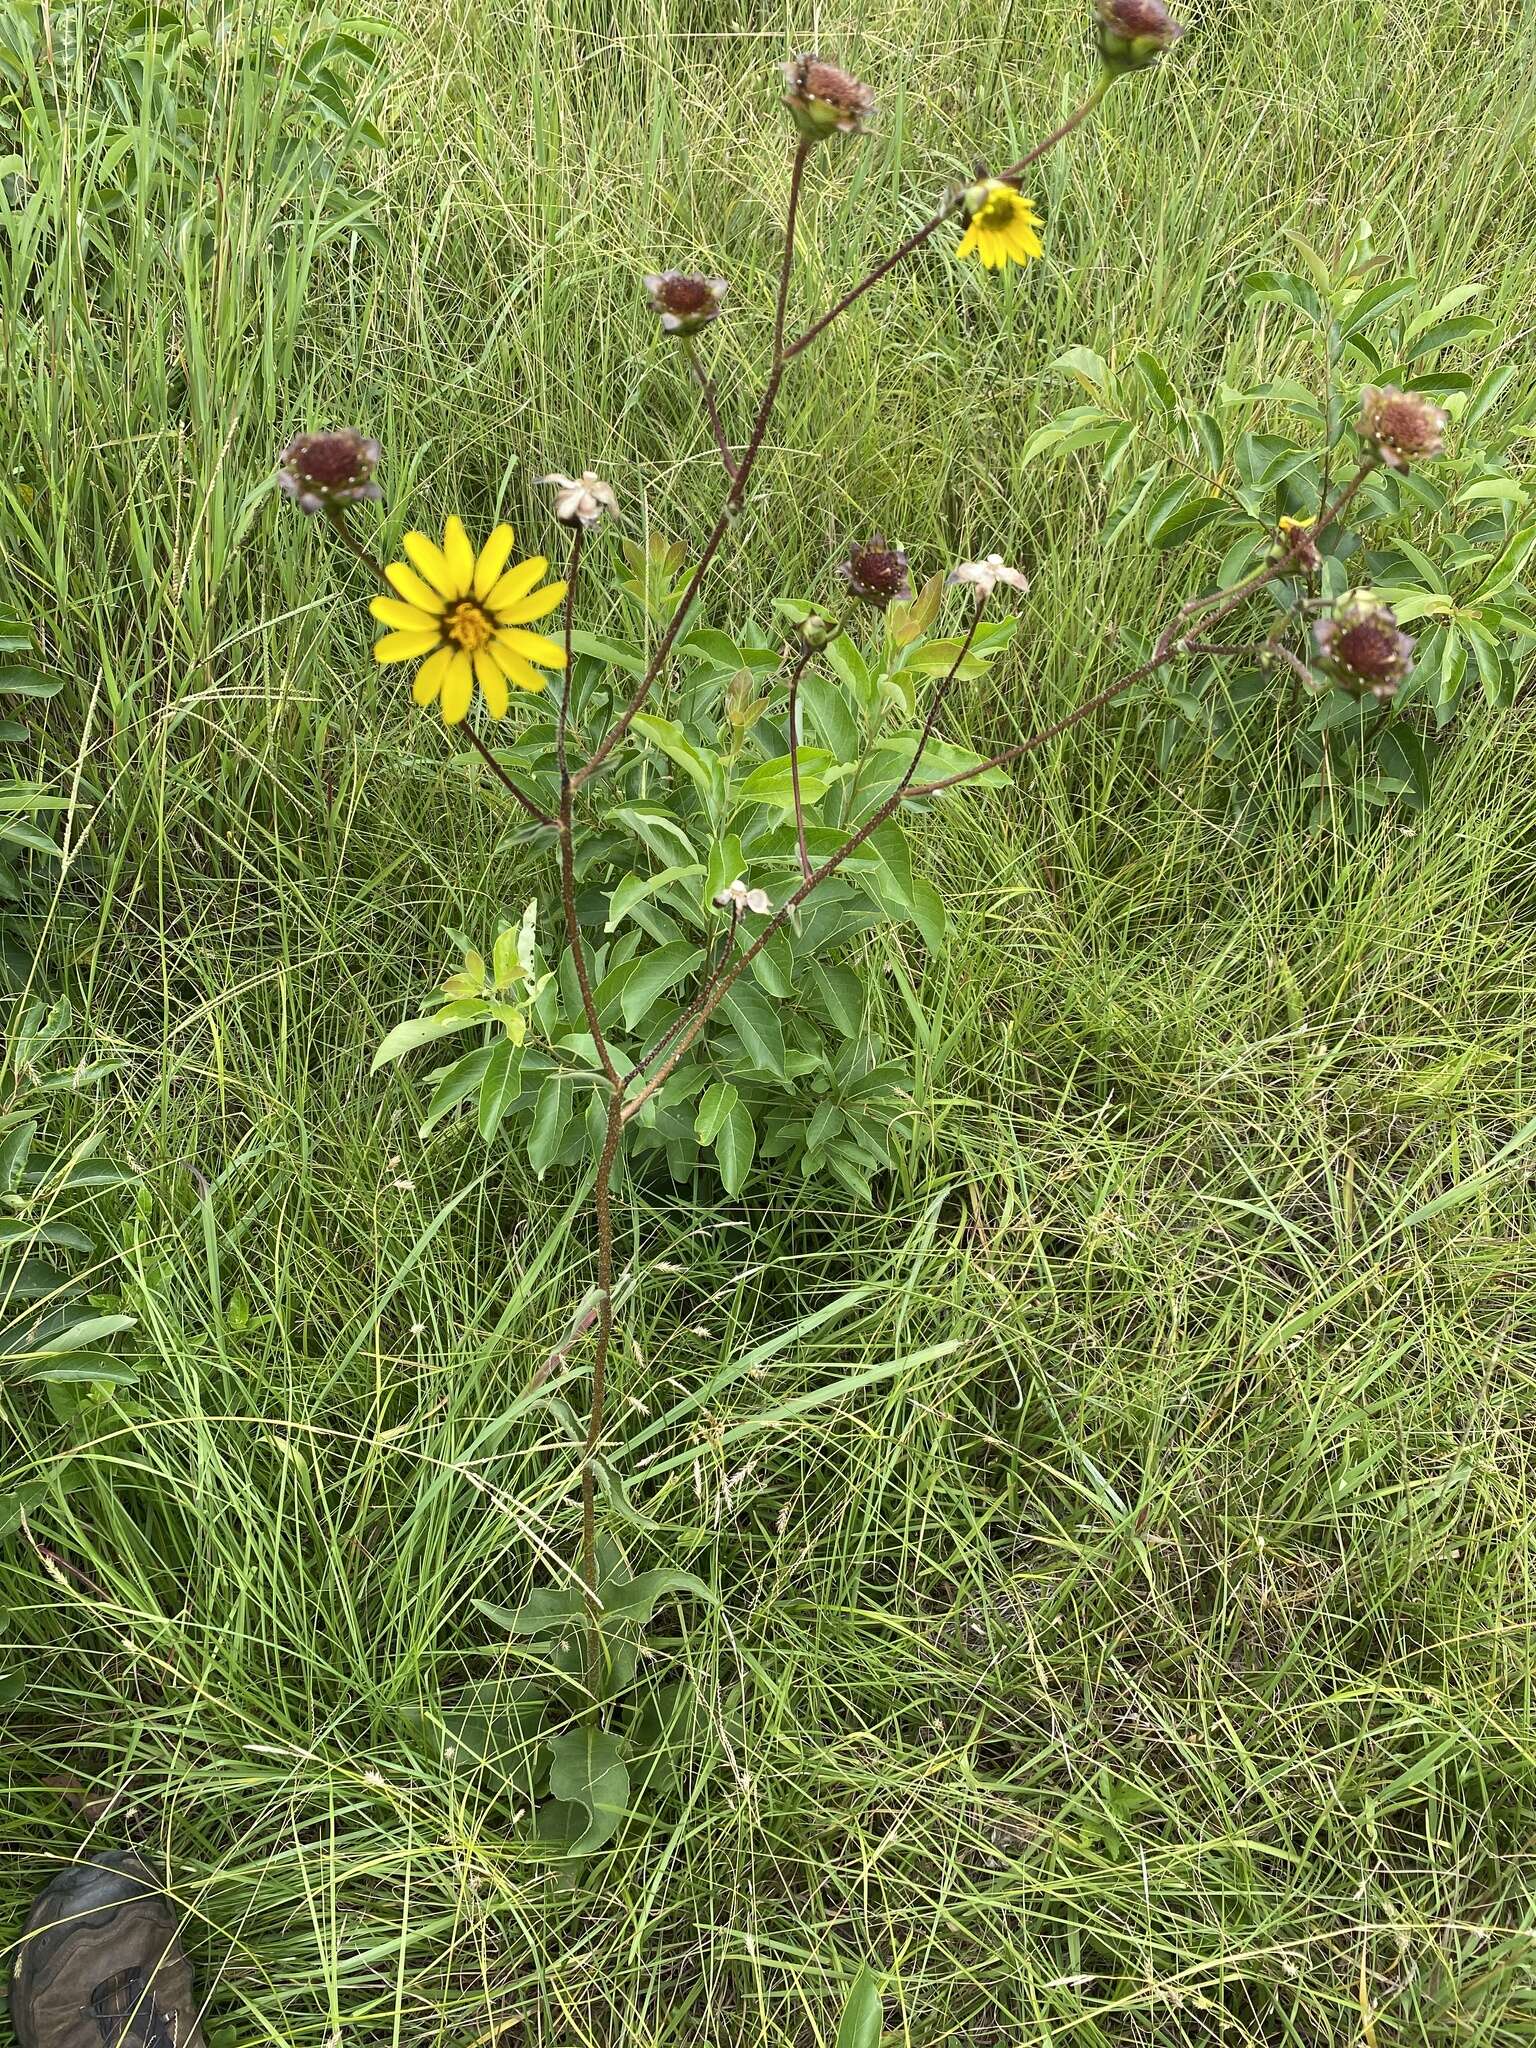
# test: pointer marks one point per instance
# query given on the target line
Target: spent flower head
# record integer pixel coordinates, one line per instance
(1400, 427)
(463, 616)
(738, 897)
(876, 572)
(683, 301)
(984, 576)
(581, 500)
(1361, 646)
(1133, 33)
(1295, 544)
(1003, 225)
(823, 99)
(324, 472)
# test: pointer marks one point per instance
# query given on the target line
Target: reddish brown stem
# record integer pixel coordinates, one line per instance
(535, 811)
(567, 829)
(711, 409)
(733, 497)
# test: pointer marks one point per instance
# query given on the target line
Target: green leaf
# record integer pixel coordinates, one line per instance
(548, 1126)
(419, 1031)
(771, 782)
(756, 1023)
(1510, 563)
(843, 994)
(1371, 304)
(1288, 290)
(863, 2018)
(14, 1149)
(654, 974)
(635, 888)
(500, 1086)
(716, 1106)
(611, 653)
(28, 682)
(636, 1599)
(461, 1080)
(669, 737)
(727, 863)
(1157, 380)
(735, 1144)
(586, 1769)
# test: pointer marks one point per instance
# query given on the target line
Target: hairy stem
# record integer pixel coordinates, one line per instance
(567, 827)
(733, 496)
(711, 409)
(602, 1195)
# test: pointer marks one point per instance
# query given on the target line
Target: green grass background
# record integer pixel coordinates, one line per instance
(1146, 1656)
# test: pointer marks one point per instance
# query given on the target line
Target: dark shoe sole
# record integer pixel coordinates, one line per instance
(100, 1963)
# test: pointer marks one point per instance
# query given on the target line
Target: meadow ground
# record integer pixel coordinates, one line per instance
(1143, 1652)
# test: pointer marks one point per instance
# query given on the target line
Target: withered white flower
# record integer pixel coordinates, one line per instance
(984, 576)
(736, 895)
(581, 500)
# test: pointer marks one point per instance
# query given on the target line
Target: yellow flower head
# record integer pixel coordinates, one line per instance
(1003, 226)
(463, 617)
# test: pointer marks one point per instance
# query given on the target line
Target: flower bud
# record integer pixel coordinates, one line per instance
(324, 472)
(824, 100)
(1133, 34)
(684, 302)
(1400, 427)
(875, 573)
(581, 500)
(1362, 647)
(815, 632)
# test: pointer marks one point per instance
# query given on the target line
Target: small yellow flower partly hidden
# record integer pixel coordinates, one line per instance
(465, 613)
(1003, 226)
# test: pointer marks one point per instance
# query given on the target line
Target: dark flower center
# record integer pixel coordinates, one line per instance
(1405, 424)
(879, 569)
(327, 458)
(1139, 17)
(686, 294)
(837, 87)
(1371, 651)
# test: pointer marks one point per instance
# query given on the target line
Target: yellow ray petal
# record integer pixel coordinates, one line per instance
(534, 606)
(410, 618)
(428, 558)
(532, 646)
(411, 587)
(429, 677)
(969, 241)
(516, 583)
(459, 555)
(458, 688)
(516, 669)
(404, 646)
(493, 684)
(492, 560)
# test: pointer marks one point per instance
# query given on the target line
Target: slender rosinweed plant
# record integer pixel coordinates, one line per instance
(771, 863)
